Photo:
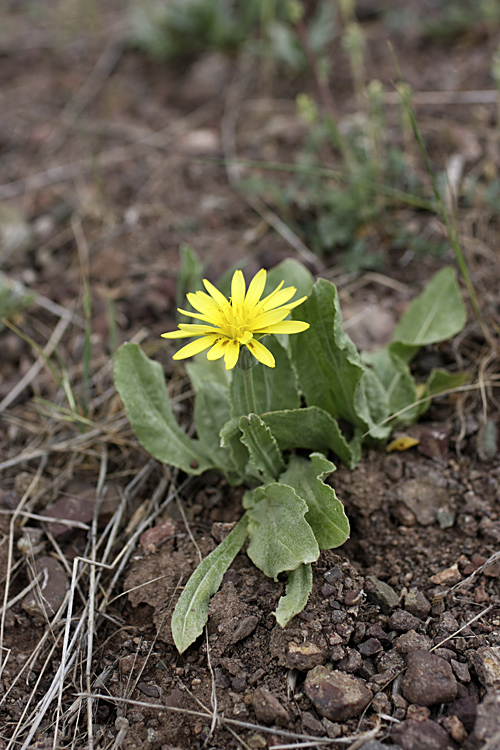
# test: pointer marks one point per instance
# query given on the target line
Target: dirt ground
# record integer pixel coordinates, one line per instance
(109, 163)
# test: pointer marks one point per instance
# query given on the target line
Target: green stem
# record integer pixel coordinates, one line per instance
(246, 364)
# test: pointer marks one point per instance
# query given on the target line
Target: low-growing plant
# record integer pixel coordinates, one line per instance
(273, 414)
(187, 28)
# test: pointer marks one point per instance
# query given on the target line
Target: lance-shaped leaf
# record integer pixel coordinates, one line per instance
(280, 537)
(211, 409)
(141, 385)
(274, 388)
(325, 513)
(328, 365)
(293, 273)
(191, 610)
(438, 313)
(265, 456)
(311, 428)
(297, 592)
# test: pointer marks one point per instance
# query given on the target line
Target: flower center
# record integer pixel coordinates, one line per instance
(234, 321)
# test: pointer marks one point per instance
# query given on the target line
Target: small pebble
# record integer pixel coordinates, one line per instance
(335, 695)
(403, 621)
(370, 647)
(417, 604)
(422, 735)
(412, 641)
(304, 656)
(381, 593)
(268, 709)
(428, 680)
(486, 661)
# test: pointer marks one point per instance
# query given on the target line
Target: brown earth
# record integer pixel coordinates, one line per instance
(109, 162)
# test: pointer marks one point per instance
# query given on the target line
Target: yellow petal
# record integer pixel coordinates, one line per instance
(256, 288)
(194, 330)
(261, 353)
(245, 337)
(214, 293)
(218, 349)
(195, 347)
(262, 304)
(232, 354)
(197, 315)
(203, 303)
(176, 335)
(281, 297)
(288, 326)
(296, 303)
(267, 319)
(237, 288)
(402, 443)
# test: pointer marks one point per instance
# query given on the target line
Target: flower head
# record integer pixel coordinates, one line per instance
(237, 321)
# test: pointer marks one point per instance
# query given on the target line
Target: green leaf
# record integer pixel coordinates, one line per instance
(201, 371)
(311, 428)
(438, 313)
(280, 537)
(14, 298)
(438, 382)
(275, 388)
(325, 513)
(298, 588)
(191, 610)
(328, 365)
(190, 274)
(141, 385)
(230, 439)
(398, 383)
(293, 273)
(265, 456)
(211, 408)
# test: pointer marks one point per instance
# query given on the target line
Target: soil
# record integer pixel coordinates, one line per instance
(110, 162)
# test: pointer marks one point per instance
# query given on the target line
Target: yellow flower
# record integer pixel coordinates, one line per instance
(236, 322)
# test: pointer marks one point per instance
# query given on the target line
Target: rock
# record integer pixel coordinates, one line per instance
(445, 518)
(434, 443)
(447, 577)
(487, 726)
(335, 695)
(455, 728)
(418, 713)
(244, 628)
(416, 603)
(464, 709)
(370, 647)
(423, 498)
(403, 621)
(351, 662)
(376, 745)
(304, 656)
(76, 510)
(412, 641)
(268, 709)
(428, 680)
(151, 539)
(486, 661)
(381, 593)
(422, 735)
(393, 467)
(310, 725)
(381, 703)
(460, 670)
(389, 661)
(44, 600)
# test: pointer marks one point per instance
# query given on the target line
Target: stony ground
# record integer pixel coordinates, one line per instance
(109, 163)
